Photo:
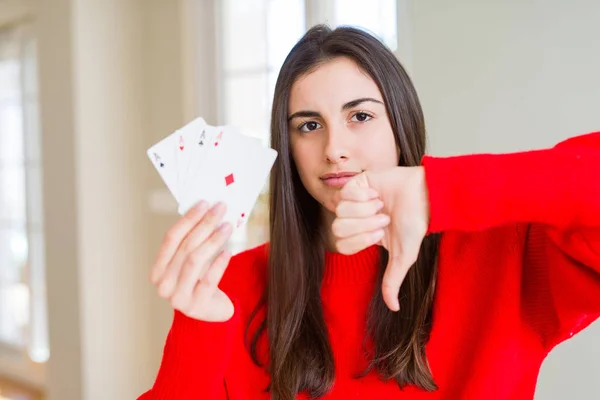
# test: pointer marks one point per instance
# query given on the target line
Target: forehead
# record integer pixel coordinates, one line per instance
(334, 82)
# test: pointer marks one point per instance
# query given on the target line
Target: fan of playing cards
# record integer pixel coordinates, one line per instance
(212, 163)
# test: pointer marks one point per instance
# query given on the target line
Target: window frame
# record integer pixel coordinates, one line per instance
(15, 363)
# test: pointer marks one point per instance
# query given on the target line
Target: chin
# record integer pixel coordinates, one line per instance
(324, 196)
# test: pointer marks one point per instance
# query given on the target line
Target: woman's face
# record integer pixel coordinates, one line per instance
(338, 128)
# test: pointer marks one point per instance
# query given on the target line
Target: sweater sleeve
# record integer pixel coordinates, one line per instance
(195, 358)
(553, 197)
(197, 355)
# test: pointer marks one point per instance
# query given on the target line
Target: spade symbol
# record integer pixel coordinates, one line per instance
(158, 160)
(202, 137)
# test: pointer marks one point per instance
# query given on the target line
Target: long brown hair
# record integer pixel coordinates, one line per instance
(300, 356)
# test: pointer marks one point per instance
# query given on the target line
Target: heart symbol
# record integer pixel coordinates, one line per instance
(181, 148)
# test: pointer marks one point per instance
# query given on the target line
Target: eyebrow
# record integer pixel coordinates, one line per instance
(354, 103)
(346, 106)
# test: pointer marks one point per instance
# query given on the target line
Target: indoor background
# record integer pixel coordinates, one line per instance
(86, 86)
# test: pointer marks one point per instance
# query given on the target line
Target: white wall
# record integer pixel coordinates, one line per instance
(498, 76)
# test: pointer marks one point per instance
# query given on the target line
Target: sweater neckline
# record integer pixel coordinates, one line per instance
(359, 267)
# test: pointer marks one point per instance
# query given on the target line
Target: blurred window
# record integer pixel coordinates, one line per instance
(23, 322)
(256, 37)
(378, 17)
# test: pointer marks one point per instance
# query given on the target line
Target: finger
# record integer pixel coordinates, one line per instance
(393, 277)
(356, 209)
(359, 242)
(354, 192)
(204, 228)
(197, 262)
(206, 287)
(173, 238)
(346, 227)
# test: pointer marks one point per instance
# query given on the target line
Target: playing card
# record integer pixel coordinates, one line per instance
(247, 181)
(163, 157)
(210, 138)
(234, 171)
(188, 138)
(198, 150)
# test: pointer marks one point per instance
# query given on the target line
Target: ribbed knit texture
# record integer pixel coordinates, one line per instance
(519, 273)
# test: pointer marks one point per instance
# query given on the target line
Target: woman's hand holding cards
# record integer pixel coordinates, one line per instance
(405, 200)
(191, 262)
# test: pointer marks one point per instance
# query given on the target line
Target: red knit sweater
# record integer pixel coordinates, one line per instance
(519, 272)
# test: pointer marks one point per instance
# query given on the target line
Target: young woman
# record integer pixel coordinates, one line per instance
(389, 274)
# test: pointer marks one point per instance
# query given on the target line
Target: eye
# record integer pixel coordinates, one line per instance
(361, 117)
(309, 126)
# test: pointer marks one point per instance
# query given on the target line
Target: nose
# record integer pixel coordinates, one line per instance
(337, 147)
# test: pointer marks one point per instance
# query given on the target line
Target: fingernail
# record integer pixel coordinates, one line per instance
(218, 208)
(378, 235)
(201, 206)
(384, 219)
(225, 227)
(379, 205)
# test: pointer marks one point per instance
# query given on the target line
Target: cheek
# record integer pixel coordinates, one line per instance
(380, 151)
(308, 160)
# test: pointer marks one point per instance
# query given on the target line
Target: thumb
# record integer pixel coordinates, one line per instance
(395, 272)
(359, 180)
(358, 189)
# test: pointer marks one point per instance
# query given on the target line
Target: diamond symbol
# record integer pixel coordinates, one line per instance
(229, 180)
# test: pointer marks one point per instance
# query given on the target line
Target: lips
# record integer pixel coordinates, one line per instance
(339, 175)
(337, 179)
